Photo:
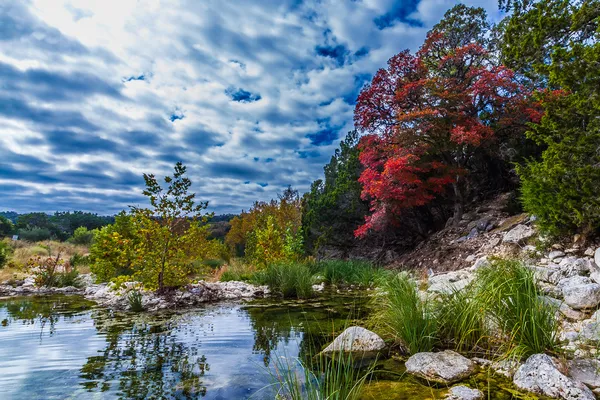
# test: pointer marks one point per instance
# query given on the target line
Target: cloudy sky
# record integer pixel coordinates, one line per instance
(251, 95)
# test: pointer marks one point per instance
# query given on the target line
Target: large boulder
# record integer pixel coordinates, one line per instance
(580, 292)
(540, 375)
(356, 339)
(443, 367)
(586, 370)
(464, 393)
(518, 234)
(450, 282)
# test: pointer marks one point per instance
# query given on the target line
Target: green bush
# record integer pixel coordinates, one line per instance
(6, 226)
(34, 234)
(289, 280)
(82, 236)
(5, 251)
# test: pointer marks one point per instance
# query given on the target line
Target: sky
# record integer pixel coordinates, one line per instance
(252, 96)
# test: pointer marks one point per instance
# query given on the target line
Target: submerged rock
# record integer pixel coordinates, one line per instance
(443, 367)
(356, 339)
(540, 375)
(464, 393)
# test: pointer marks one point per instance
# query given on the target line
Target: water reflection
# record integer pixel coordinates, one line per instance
(217, 352)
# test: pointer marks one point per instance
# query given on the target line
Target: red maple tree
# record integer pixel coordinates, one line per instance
(426, 116)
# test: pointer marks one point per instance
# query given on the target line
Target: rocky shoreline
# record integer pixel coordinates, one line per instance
(106, 295)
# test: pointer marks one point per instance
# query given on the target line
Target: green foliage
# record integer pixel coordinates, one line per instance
(82, 236)
(113, 250)
(5, 251)
(337, 377)
(508, 294)
(461, 321)
(6, 227)
(333, 209)
(407, 316)
(34, 234)
(159, 245)
(134, 298)
(269, 232)
(53, 272)
(352, 272)
(287, 279)
(555, 44)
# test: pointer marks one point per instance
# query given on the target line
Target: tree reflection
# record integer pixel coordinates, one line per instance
(43, 310)
(145, 359)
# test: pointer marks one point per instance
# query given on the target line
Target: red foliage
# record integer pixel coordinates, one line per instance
(425, 116)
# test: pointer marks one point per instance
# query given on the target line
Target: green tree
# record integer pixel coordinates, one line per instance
(82, 236)
(333, 209)
(6, 226)
(171, 231)
(555, 44)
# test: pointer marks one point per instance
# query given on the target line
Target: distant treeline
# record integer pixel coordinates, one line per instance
(38, 226)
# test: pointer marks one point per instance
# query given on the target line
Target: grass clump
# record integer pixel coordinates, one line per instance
(288, 279)
(462, 321)
(352, 272)
(236, 270)
(134, 298)
(334, 377)
(508, 292)
(407, 316)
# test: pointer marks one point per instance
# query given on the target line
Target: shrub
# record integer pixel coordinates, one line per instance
(289, 280)
(406, 316)
(4, 253)
(6, 226)
(82, 236)
(53, 272)
(34, 234)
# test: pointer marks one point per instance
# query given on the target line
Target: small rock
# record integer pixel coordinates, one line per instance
(450, 282)
(481, 263)
(442, 367)
(464, 393)
(356, 339)
(470, 258)
(474, 232)
(564, 309)
(586, 370)
(540, 375)
(506, 367)
(518, 234)
(555, 254)
(597, 256)
(589, 252)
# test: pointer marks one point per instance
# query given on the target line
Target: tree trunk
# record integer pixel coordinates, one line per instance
(458, 202)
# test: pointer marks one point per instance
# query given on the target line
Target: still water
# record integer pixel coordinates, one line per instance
(63, 347)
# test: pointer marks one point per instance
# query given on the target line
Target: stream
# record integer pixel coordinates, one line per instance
(64, 347)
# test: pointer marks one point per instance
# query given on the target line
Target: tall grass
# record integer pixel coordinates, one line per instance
(353, 272)
(407, 316)
(508, 292)
(289, 279)
(461, 318)
(337, 377)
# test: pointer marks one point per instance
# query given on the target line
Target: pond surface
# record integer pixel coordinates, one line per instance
(63, 347)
